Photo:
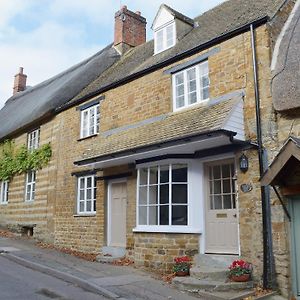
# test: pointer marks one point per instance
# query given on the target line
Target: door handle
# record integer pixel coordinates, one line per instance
(234, 215)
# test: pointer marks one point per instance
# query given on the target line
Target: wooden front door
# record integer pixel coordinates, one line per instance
(295, 226)
(221, 234)
(117, 214)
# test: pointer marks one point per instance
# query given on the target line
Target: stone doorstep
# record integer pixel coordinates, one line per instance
(111, 254)
(215, 260)
(209, 273)
(190, 283)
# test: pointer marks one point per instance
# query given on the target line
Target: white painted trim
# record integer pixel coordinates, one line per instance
(167, 229)
(281, 35)
(109, 187)
(163, 29)
(88, 110)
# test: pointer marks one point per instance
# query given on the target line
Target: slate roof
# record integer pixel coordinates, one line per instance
(286, 75)
(200, 120)
(41, 100)
(105, 68)
(220, 20)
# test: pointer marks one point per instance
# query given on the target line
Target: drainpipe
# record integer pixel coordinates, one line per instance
(265, 192)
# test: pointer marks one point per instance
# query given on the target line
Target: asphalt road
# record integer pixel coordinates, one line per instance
(20, 283)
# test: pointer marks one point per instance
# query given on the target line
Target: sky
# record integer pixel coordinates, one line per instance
(48, 36)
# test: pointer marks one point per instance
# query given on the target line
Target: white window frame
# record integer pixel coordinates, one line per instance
(164, 37)
(4, 191)
(199, 85)
(195, 223)
(33, 140)
(85, 200)
(86, 126)
(30, 185)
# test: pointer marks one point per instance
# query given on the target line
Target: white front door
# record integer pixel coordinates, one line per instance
(221, 232)
(117, 203)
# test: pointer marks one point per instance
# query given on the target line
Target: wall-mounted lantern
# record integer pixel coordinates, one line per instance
(244, 163)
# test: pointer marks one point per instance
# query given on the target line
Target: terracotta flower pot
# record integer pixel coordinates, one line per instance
(241, 278)
(182, 273)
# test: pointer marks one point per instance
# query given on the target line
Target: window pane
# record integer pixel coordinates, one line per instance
(217, 187)
(205, 93)
(81, 206)
(143, 176)
(159, 40)
(212, 206)
(218, 202)
(89, 182)
(81, 195)
(153, 215)
(225, 171)
(142, 215)
(179, 215)
(164, 194)
(154, 175)
(81, 183)
(170, 39)
(179, 173)
(226, 186)
(164, 215)
(143, 195)
(179, 193)
(227, 201)
(164, 174)
(203, 67)
(153, 194)
(192, 86)
(89, 194)
(89, 206)
(216, 172)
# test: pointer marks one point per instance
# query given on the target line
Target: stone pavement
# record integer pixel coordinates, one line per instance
(113, 282)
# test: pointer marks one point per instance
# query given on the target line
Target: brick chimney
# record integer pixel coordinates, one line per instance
(130, 29)
(20, 82)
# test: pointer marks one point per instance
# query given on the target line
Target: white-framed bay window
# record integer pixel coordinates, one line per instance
(90, 119)
(30, 185)
(33, 139)
(164, 202)
(86, 194)
(190, 86)
(4, 192)
(164, 38)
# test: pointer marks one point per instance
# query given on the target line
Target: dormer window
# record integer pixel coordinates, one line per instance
(165, 38)
(169, 26)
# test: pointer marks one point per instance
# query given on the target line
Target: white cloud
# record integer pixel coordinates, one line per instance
(64, 32)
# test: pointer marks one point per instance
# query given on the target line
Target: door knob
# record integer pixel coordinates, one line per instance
(234, 215)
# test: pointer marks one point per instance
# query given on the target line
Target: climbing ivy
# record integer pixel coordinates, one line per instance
(15, 161)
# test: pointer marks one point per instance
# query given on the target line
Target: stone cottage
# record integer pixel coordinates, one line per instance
(158, 152)
(284, 171)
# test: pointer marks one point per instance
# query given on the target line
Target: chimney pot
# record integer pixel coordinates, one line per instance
(20, 81)
(130, 29)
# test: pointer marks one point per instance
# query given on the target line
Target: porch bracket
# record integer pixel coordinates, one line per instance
(282, 203)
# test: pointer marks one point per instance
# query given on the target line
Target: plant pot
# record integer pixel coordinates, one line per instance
(182, 273)
(240, 278)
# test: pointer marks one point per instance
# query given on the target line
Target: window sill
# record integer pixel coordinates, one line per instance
(29, 201)
(84, 215)
(167, 229)
(3, 203)
(87, 137)
(203, 102)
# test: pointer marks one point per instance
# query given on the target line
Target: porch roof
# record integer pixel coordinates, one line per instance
(203, 127)
(286, 161)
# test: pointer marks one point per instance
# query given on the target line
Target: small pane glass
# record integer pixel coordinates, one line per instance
(217, 187)
(89, 182)
(89, 206)
(179, 215)
(233, 201)
(143, 176)
(164, 174)
(226, 171)
(153, 194)
(227, 201)
(143, 195)
(164, 215)
(142, 215)
(153, 215)
(211, 202)
(154, 175)
(170, 35)
(179, 79)
(204, 68)
(81, 195)
(81, 183)
(216, 172)
(179, 193)
(179, 101)
(205, 93)
(164, 194)
(81, 206)
(226, 186)
(218, 202)
(179, 173)
(89, 194)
